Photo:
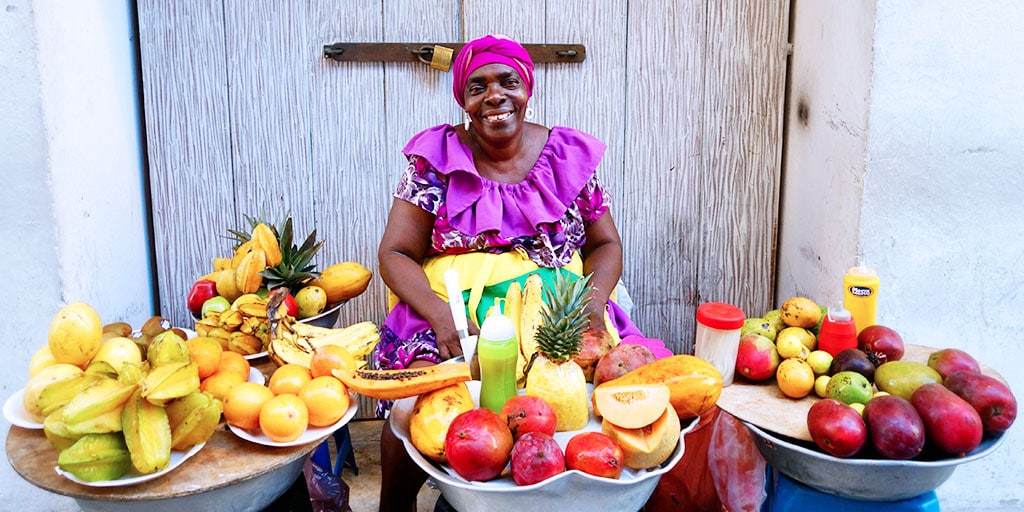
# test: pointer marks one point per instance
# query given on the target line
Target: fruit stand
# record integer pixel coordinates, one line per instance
(227, 473)
(779, 425)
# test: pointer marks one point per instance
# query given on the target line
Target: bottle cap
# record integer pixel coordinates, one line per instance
(838, 314)
(719, 315)
(497, 327)
(861, 269)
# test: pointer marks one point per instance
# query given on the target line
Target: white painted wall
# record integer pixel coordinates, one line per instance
(915, 160)
(74, 218)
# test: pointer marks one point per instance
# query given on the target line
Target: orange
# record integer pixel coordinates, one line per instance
(205, 352)
(243, 403)
(289, 378)
(328, 357)
(327, 400)
(221, 383)
(284, 418)
(795, 377)
(235, 363)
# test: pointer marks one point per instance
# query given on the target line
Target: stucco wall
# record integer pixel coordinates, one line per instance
(920, 166)
(74, 222)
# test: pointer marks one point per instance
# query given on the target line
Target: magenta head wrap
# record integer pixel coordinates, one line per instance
(490, 50)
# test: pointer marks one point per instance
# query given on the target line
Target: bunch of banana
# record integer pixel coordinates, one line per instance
(295, 342)
(242, 328)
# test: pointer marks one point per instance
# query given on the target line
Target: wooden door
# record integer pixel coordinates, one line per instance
(244, 116)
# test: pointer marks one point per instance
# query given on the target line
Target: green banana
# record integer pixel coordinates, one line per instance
(147, 434)
(96, 457)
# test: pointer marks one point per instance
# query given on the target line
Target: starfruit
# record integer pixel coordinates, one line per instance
(57, 433)
(84, 414)
(102, 368)
(167, 348)
(245, 344)
(230, 320)
(58, 394)
(267, 241)
(193, 419)
(247, 274)
(97, 457)
(165, 383)
(147, 432)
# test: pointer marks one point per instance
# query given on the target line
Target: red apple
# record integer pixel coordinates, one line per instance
(948, 360)
(478, 444)
(290, 305)
(594, 344)
(535, 458)
(622, 359)
(836, 428)
(879, 338)
(594, 453)
(202, 291)
(756, 359)
(528, 413)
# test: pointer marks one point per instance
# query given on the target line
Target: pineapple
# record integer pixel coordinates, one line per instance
(553, 375)
(296, 268)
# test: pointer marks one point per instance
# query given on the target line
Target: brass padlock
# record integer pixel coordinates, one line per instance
(442, 58)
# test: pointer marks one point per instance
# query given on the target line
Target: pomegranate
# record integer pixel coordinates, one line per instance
(877, 338)
(836, 428)
(478, 444)
(594, 453)
(594, 344)
(535, 458)
(529, 413)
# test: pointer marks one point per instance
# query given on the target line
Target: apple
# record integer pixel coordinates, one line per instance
(528, 413)
(836, 428)
(202, 291)
(478, 444)
(881, 339)
(594, 453)
(536, 457)
(756, 358)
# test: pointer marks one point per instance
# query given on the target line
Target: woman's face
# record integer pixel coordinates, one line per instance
(495, 97)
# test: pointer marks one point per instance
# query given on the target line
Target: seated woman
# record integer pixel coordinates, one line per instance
(496, 198)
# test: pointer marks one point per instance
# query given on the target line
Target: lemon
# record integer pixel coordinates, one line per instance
(795, 378)
(821, 386)
(790, 347)
(820, 361)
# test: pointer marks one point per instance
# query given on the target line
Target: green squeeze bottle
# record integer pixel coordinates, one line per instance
(498, 351)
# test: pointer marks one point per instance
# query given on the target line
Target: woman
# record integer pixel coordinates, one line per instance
(496, 198)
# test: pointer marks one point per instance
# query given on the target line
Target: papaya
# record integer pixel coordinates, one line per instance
(647, 446)
(631, 405)
(694, 384)
(431, 415)
(343, 281)
(405, 383)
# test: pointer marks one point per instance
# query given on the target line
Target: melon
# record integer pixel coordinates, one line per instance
(631, 405)
(647, 446)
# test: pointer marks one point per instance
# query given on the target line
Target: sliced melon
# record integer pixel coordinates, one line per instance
(631, 405)
(647, 446)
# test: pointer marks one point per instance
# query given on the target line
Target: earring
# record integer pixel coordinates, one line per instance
(529, 113)
(465, 121)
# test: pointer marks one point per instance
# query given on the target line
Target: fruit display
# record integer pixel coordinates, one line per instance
(871, 401)
(112, 405)
(265, 257)
(297, 342)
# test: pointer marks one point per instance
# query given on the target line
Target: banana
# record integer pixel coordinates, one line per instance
(398, 384)
(58, 394)
(147, 433)
(165, 383)
(530, 316)
(193, 419)
(103, 397)
(296, 342)
(514, 312)
(97, 457)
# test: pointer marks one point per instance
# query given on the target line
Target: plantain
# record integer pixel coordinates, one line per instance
(103, 397)
(97, 457)
(398, 384)
(147, 433)
(165, 383)
(530, 316)
(296, 342)
(514, 312)
(58, 394)
(193, 419)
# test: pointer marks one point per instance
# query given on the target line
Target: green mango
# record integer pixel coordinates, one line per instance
(902, 378)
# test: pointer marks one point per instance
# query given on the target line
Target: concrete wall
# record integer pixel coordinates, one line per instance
(74, 218)
(910, 155)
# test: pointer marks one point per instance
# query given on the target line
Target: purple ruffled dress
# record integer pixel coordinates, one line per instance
(545, 216)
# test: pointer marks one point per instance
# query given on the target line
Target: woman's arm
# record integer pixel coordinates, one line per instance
(602, 257)
(402, 247)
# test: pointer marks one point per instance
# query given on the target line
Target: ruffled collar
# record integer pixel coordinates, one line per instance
(476, 204)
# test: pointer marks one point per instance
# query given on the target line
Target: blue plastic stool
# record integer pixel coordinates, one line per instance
(788, 495)
(346, 454)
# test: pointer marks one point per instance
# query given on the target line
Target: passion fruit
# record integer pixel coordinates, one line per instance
(75, 335)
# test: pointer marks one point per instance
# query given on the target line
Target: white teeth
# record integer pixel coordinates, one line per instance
(499, 117)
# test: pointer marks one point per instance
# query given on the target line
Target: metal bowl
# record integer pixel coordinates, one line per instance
(567, 492)
(859, 478)
(328, 318)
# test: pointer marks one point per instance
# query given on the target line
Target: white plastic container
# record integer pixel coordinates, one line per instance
(718, 336)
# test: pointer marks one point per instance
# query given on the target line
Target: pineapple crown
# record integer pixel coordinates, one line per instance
(563, 317)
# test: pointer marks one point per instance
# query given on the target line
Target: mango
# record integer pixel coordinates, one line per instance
(902, 378)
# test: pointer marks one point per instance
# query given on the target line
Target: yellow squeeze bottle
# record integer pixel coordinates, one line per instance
(860, 294)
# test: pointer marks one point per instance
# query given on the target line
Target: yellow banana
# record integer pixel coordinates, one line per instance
(530, 316)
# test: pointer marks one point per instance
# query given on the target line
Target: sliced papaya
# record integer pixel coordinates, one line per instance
(631, 405)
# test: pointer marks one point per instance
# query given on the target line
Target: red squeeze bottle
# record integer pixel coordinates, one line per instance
(838, 332)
